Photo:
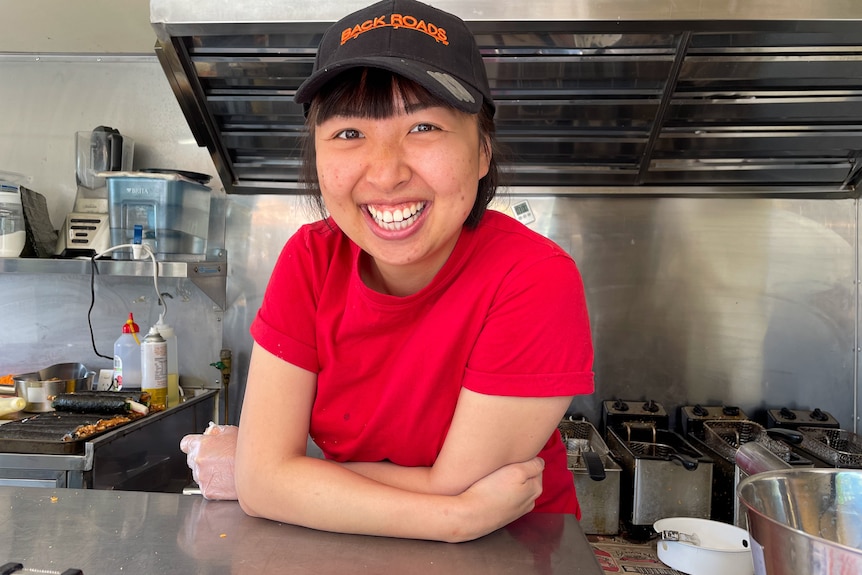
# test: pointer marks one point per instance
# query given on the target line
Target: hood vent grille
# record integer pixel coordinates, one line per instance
(751, 107)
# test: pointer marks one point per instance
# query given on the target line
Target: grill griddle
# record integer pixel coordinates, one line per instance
(50, 433)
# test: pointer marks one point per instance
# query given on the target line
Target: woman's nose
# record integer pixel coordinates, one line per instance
(387, 166)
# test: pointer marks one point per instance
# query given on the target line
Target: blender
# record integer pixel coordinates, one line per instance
(13, 234)
(87, 231)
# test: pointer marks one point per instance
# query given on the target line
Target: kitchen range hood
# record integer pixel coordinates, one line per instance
(595, 97)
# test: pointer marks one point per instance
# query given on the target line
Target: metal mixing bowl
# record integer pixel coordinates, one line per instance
(804, 521)
(39, 388)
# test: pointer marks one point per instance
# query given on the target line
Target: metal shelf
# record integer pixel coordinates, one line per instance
(209, 275)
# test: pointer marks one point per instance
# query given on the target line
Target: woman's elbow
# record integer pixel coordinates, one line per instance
(246, 492)
(247, 506)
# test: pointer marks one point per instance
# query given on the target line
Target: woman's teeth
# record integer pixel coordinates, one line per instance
(396, 219)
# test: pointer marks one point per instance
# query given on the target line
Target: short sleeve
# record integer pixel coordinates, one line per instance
(536, 340)
(284, 324)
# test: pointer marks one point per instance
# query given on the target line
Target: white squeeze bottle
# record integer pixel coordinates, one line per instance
(127, 357)
(167, 332)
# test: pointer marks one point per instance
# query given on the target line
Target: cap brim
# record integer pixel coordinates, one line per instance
(461, 96)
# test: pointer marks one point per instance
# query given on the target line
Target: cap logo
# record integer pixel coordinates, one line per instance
(395, 21)
(455, 87)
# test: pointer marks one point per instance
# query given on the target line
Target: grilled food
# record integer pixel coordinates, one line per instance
(103, 403)
(84, 431)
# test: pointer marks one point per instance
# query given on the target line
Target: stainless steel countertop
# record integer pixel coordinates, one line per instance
(111, 532)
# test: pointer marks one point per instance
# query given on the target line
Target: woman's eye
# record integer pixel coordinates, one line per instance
(349, 134)
(423, 128)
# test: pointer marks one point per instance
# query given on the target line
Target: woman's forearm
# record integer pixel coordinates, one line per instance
(328, 496)
(416, 479)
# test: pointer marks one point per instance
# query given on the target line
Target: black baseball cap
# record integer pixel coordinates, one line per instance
(433, 48)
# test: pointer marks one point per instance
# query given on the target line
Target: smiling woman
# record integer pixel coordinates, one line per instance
(429, 347)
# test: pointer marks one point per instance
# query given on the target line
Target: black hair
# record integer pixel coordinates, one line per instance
(368, 93)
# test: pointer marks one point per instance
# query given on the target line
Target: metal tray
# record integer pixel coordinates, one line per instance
(50, 433)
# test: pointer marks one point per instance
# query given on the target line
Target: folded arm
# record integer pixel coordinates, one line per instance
(486, 476)
(487, 433)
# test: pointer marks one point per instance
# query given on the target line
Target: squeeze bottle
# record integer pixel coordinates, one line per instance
(127, 357)
(170, 337)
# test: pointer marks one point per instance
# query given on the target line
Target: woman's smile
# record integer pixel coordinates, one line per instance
(391, 219)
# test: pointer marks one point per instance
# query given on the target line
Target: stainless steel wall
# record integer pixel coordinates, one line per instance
(752, 302)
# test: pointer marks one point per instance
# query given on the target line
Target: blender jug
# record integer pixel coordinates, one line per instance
(102, 150)
(13, 233)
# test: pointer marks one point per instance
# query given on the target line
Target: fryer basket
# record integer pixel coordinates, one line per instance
(837, 447)
(725, 437)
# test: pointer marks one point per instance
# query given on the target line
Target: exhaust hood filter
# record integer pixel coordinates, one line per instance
(677, 106)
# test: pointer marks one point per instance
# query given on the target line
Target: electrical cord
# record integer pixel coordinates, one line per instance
(93, 271)
(136, 251)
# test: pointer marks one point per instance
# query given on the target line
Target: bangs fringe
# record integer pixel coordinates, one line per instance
(371, 93)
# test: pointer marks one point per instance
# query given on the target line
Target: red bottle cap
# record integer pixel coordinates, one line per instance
(130, 326)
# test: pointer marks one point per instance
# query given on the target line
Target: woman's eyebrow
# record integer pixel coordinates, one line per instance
(417, 107)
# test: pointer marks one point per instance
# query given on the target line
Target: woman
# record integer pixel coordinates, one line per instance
(428, 347)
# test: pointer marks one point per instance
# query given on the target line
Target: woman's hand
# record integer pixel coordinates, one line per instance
(501, 497)
(211, 458)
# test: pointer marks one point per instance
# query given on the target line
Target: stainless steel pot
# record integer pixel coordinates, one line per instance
(39, 388)
(804, 521)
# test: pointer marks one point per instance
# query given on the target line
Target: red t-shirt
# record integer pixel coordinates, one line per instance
(506, 315)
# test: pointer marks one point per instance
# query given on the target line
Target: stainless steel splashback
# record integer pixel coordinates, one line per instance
(594, 97)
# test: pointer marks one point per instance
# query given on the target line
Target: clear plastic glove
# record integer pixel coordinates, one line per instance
(211, 458)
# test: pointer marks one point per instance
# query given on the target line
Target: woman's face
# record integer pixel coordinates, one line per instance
(401, 187)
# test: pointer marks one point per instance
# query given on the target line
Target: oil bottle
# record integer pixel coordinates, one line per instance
(154, 368)
(170, 336)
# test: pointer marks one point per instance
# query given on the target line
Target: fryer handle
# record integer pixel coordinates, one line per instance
(594, 465)
(687, 462)
(791, 436)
